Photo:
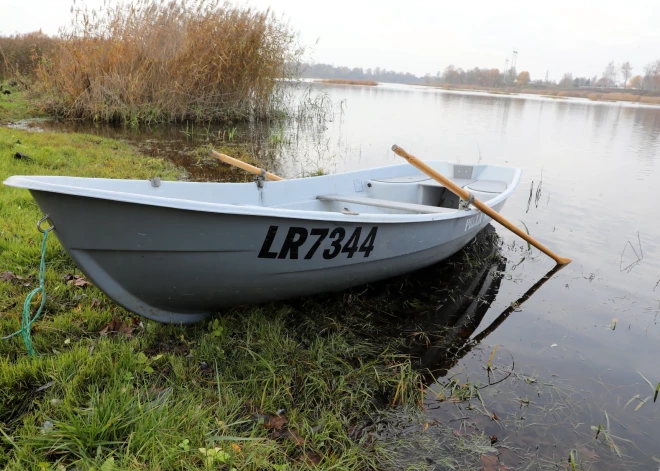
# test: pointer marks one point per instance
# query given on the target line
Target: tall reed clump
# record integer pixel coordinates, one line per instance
(157, 61)
(20, 54)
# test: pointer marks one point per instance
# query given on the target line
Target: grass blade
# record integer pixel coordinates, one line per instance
(652, 388)
(636, 396)
(529, 247)
(490, 360)
(642, 403)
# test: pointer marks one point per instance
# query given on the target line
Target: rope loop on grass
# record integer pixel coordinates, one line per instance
(26, 322)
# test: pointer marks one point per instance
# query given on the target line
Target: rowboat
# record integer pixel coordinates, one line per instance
(179, 251)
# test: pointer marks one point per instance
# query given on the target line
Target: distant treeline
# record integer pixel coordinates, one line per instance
(327, 71)
(614, 76)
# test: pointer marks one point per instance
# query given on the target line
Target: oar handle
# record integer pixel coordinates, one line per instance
(465, 195)
(247, 167)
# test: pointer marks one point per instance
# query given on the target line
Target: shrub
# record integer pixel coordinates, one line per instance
(154, 61)
(20, 54)
(650, 99)
(621, 97)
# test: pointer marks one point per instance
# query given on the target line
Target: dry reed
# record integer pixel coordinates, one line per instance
(155, 61)
(20, 54)
(570, 93)
(629, 97)
(370, 83)
(654, 100)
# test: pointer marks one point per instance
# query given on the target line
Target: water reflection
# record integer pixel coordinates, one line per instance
(433, 311)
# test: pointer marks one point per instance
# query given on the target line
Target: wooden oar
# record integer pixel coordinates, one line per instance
(465, 195)
(247, 167)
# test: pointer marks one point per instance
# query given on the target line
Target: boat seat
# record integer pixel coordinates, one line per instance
(487, 186)
(417, 208)
(407, 179)
(462, 182)
(472, 184)
(425, 180)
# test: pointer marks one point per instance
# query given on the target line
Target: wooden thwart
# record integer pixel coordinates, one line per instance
(378, 203)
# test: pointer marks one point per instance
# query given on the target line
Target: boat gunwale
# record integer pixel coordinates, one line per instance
(31, 183)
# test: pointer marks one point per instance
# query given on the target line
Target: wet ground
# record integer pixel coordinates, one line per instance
(568, 369)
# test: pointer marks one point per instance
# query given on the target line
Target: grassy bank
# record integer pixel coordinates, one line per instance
(15, 105)
(110, 387)
(370, 83)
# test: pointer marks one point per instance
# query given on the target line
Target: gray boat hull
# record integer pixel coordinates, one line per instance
(179, 266)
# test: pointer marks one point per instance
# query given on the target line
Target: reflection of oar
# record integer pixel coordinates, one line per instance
(460, 351)
(247, 167)
(502, 317)
(467, 196)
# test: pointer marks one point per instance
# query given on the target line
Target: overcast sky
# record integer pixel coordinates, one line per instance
(578, 36)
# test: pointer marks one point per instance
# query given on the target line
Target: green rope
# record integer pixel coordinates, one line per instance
(26, 322)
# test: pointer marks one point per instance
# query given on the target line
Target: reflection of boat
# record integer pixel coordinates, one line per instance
(443, 334)
(178, 251)
(471, 285)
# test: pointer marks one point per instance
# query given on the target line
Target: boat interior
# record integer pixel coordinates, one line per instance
(397, 189)
(414, 193)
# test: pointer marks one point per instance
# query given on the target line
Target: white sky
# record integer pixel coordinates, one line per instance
(578, 36)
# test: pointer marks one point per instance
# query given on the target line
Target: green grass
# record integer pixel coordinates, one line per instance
(152, 399)
(16, 105)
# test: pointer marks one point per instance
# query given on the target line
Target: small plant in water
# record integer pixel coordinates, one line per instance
(319, 172)
(654, 389)
(572, 461)
(489, 367)
(607, 435)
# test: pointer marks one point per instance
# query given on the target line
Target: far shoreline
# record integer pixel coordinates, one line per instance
(369, 83)
(594, 94)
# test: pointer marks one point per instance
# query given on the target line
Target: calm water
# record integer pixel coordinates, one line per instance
(573, 352)
(600, 170)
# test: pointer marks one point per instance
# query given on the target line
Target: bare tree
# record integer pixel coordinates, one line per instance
(609, 75)
(625, 69)
(566, 81)
(651, 79)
